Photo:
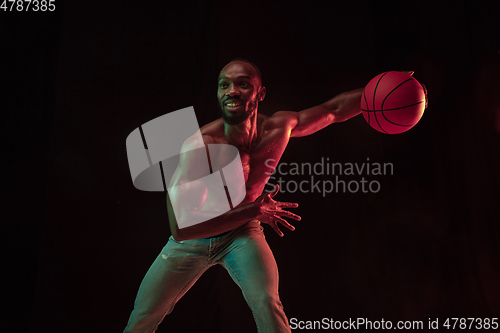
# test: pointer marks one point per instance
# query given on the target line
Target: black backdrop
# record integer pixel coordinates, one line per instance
(81, 237)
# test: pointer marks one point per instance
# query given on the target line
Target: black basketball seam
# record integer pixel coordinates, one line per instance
(375, 90)
(381, 111)
(402, 107)
(382, 106)
(375, 115)
(399, 85)
(394, 123)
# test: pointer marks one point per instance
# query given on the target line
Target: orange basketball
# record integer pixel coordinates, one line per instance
(393, 102)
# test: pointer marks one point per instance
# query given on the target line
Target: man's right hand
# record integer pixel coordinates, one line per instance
(272, 213)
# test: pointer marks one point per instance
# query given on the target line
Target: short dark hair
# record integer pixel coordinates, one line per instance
(259, 74)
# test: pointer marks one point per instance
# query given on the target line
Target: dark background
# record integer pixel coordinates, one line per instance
(80, 237)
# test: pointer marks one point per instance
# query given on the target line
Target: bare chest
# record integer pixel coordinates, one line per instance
(257, 164)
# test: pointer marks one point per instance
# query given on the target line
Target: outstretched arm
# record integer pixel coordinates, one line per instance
(340, 108)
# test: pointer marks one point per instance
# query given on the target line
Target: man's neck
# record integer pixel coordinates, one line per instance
(243, 135)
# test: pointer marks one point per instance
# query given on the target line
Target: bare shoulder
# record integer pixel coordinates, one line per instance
(213, 132)
(281, 119)
(210, 133)
(193, 150)
(196, 141)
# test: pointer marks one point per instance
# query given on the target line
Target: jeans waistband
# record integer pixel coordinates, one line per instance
(227, 232)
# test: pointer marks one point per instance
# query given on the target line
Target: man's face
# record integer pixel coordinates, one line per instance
(239, 92)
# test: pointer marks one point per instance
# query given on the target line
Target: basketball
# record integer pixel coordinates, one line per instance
(393, 102)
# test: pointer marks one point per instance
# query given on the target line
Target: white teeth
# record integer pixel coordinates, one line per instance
(232, 105)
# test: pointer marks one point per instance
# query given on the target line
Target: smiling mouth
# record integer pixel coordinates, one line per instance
(234, 104)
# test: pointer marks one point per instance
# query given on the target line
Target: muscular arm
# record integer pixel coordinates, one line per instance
(228, 221)
(264, 208)
(338, 109)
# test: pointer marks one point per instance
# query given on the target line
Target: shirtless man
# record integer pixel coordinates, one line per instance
(235, 239)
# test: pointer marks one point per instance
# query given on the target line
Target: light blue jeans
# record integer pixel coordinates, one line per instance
(243, 252)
